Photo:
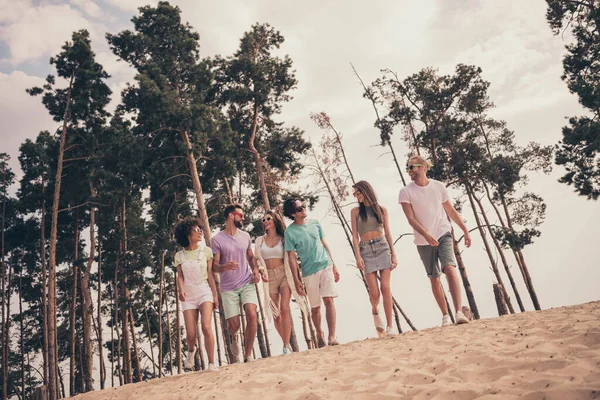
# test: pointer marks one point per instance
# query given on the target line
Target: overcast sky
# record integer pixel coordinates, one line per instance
(510, 40)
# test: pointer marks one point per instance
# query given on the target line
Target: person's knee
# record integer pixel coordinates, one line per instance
(251, 314)
(284, 310)
(206, 329)
(233, 324)
(328, 301)
(315, 311)
(450, 271)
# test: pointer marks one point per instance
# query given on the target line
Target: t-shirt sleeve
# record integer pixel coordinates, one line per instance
(208, 252)
(320, 230)
(215, 246)
(289, 241)
(403, 196)
(444, 192)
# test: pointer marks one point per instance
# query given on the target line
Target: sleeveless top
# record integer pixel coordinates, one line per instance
(195, 271)
(272, 252)
(368, 224)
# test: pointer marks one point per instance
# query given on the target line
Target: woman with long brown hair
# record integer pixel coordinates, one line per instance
(374, 253)
(269, 252)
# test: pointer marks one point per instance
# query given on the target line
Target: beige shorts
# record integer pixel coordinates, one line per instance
(277, 279)
(320, 284)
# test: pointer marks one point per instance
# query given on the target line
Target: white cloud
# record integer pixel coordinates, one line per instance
(32, 32)
(22, 116)
(89, 8)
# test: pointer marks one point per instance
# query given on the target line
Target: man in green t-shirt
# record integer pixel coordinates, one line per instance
(304, 239)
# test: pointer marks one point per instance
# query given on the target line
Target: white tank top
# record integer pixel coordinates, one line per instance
(272, 252)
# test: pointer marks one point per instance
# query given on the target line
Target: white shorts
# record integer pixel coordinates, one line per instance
(195, 295)
(320, 284)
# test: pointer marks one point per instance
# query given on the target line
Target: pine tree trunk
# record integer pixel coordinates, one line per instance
(488, 249)
(464, 276)
(150, 343)
(309, 342)
(73, 311)
(500, 300)
(501, 252)
(293, 339)
(178, 325)
(226, 336)
(21, 334)
(160, 303)
(217, 338)
(52, 348)
(99, 319)
(44, 283)
(5, 299)
(136, 354)
(88, 309)
(261, 332)
(169, 334)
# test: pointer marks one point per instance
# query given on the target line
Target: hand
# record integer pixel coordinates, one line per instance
(231, 266)
(215, 301)
(360, 263)
(467, 239)
(182, 295)
(263, 275)
(430, 239)
(255, 276)
(394, 262)
(299, 287)
(336, 274)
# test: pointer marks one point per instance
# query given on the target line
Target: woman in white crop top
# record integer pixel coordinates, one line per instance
(270, 255)
(196, 287)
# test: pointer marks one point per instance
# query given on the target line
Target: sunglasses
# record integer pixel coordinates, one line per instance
(266, 219)
(300, 208)
(197, 229)
(238, 214)
(413, 166)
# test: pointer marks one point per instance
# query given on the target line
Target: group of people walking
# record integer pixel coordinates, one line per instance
(297, 262)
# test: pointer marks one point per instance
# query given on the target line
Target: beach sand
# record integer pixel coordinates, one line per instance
(550, 354)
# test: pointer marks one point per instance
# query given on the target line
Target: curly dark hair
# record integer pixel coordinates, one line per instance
(278, 221)
(183, 229)
(289, 207)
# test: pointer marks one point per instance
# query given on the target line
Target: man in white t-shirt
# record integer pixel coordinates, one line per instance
(427, 207)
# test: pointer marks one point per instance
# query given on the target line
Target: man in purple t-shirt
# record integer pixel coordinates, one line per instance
(232, 255)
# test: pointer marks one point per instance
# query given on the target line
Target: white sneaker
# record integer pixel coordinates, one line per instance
(446, 320)
(379, 325)
(287, 351)
(189, 361)
(460, 318)
(212, 367)
(389, 331)
(235, 351)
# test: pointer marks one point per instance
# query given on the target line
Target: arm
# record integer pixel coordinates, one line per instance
(455, 216)
(182, 293)
(256, 274)
(412, 220)
(355, 239)
(218, 267)
(212, 284)
(293, 260)
(388, 237)
(336, 273)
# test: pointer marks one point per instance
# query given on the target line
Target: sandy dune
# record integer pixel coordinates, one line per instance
(552, 354)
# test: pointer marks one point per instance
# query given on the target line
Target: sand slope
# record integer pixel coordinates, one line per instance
(552, 354)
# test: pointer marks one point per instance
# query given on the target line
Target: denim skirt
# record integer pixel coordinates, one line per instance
(376, 254)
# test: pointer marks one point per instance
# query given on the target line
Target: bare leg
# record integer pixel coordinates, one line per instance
(233, 325)
(251, 328)
(454, 284)
(386, 294)
(206, 309)
(374, 295)
(436, 288)
(190, 318)
(284, 310)
(316, 317)
(276, 320)
(330, 316)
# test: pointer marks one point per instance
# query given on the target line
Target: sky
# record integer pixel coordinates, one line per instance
(510, 40)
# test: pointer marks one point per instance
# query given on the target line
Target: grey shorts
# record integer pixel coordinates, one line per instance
(433, 256)
(376, 254)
